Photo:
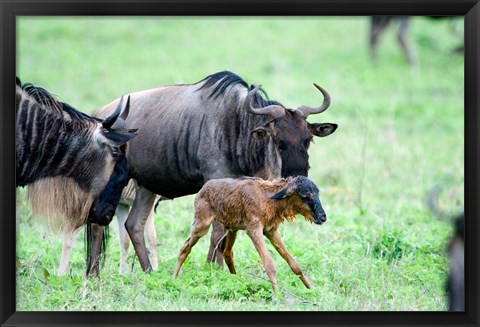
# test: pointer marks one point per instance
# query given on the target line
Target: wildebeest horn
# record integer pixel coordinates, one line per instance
(108, 122)
(125, 111)
(305, 110)
(275, 111)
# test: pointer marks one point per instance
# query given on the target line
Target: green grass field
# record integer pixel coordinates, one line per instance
(401, 131)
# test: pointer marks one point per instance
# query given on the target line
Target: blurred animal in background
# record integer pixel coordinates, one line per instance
(378, 26)
(456, 254)
(218, 127)
(456, 276)
(380, 23)
(55, 143)
(259, 207)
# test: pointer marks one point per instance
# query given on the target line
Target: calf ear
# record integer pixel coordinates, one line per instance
(280, 195)
(322, 130)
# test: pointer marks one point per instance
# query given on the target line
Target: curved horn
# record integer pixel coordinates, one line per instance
(275, 111)
(305, 110)
(108, 122)
(125, 111)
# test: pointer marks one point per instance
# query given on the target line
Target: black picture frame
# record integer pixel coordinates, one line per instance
(10, 9)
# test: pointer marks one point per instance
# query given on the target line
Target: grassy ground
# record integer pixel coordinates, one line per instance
(400, 132)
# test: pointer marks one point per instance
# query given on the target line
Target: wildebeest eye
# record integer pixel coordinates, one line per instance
(307, 195)
(282, 145)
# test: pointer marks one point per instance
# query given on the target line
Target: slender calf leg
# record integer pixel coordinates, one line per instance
(122, 214)
(215, 252)
(201, 224)
(152, 239)
(228, 252)
(277, 242)
(68, 240)
(257, 238)
(135, 224)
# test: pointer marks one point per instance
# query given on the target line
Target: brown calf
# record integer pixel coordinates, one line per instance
(258, 207)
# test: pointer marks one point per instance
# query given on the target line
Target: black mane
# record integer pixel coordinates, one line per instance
(228, 79)
(45, 98)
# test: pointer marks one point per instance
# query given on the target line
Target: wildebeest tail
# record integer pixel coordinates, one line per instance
(88, 246)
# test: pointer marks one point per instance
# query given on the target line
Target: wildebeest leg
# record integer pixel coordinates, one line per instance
(277, 242)
(216, 244)
(378, 25)
(135, 224)
(203, 219)
(456, 276)
(122, 214)
(97, 235)
(256, 236)
(402, 39)
(69, 236)
(152, 239)
(228, 252)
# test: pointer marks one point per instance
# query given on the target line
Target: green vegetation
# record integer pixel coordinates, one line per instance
(401, 131)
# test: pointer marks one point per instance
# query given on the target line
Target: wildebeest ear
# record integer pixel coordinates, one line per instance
(116, 138)
(280, 195)
(260, 133)
(322, 130)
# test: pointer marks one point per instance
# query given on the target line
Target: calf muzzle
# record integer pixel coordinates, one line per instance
(319, 216)
(320, 219)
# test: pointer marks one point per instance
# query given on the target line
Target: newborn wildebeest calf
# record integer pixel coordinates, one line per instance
(258, 207)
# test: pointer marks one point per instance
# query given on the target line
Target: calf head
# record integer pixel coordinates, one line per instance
(307, 192)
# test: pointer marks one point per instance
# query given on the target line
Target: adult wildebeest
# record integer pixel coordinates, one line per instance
(56, 143)
(456, 274)
(218, 127)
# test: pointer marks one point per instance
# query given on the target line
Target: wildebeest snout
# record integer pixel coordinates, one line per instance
(320, 217)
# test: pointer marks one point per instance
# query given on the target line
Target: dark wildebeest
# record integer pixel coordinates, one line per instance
(218, 127)
(456, 275)
(456, 254)
(55, 143)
